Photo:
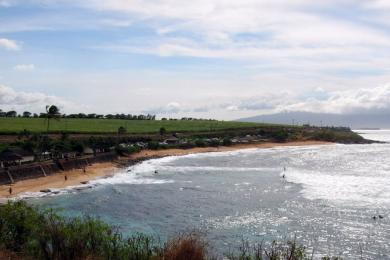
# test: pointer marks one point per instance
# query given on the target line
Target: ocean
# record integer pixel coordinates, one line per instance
(326, 200)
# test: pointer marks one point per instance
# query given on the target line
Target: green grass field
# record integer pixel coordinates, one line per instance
(15, 125)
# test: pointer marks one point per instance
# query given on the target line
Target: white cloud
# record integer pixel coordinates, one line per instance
(24, 67)
(283, 34)
(170, 108)
(232, 108)
(11, 99)
(5, 3)
(364, 100)
(173, 106)
(116, 22)
(9, 44)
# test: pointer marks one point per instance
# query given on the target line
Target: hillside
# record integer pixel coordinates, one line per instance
(354, 121)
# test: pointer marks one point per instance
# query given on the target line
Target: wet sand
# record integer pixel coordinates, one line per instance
(101, 170)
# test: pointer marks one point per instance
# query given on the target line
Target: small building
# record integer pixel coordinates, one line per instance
(141, 144)
(43, 156)
(65, 154)
(9, 158)
(172, 140)
(27, 156)
(15, 156)
(88, 150)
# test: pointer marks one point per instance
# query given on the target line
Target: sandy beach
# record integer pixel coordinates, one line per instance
(101, 170)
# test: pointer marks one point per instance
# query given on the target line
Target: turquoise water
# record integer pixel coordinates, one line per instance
(326, 200)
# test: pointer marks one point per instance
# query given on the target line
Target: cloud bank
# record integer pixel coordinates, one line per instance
(9, 44)
(35, 102)
(365, 100)
(24, 67)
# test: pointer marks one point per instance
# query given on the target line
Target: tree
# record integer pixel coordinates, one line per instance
(11, 114)
(121, 130)
(91, 115)
(162, 131)
(52, 112)
(26, 114)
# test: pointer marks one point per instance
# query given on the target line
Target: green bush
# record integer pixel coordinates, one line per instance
(127, 150)
(214, 143)
(47, 235)
(18, 223)
(153, 145)
(280, 136)
(226, 142)
(200, 143)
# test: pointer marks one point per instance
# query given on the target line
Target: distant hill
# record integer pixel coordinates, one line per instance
(354, 121)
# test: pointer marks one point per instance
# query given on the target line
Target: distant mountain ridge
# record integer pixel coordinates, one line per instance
(354, 121)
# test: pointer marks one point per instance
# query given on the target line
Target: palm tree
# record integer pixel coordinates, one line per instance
(52, 112)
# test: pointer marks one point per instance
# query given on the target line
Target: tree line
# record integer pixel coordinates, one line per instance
(27, 114)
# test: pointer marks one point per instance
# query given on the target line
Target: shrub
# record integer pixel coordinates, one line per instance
(127, 149)
(187, 246)
(17, 224)
(276, 251)
(227, 142)
(153, 145)
(214, 143)
(280, 136)
(200, 143)
(47, 235)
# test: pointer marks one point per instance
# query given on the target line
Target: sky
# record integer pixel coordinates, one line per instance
(219, 59)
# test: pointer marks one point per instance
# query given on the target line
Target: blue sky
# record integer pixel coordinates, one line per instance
(216, 59)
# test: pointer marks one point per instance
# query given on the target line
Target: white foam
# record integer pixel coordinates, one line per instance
(344, 189)
(54, 192)
(130, 178)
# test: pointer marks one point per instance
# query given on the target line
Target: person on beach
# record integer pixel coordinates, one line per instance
(84, 169)
(66, 177)
(10, 190)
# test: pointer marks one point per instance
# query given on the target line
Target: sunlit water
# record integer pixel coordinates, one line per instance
(327, 200)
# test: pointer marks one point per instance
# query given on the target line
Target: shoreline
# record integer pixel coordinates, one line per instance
(106, 169)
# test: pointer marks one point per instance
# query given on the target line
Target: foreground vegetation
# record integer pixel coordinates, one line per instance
(27, 232)
(14, 125)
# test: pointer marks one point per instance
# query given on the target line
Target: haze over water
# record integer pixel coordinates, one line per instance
(326, 201)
